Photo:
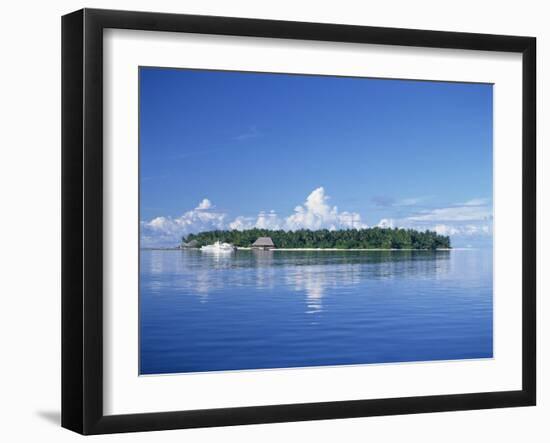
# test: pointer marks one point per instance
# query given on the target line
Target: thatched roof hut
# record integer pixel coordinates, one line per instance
(263, 243)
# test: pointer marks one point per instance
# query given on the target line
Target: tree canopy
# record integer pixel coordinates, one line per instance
(370, 238)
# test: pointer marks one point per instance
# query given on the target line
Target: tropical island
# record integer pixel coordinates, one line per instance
(369, 238)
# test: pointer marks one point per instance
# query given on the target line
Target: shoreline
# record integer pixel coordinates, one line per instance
(242, 248)
(347, 249)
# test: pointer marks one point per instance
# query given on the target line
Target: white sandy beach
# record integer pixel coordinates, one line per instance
(343, 249)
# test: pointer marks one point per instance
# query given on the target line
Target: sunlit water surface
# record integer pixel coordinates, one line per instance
(279, 309)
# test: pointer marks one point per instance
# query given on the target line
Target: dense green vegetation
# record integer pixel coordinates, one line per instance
(371, 238)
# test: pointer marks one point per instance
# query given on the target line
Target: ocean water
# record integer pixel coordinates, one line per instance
(279, 309)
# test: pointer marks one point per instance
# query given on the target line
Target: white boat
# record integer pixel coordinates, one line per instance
(218, 247)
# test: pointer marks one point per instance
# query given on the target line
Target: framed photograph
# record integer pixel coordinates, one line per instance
(268, 221)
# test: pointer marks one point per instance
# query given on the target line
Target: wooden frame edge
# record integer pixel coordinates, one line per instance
(72, 222)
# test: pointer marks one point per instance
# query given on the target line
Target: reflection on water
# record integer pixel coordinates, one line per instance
(306, 271)
(260, 309)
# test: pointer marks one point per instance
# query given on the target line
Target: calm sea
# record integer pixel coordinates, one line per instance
(276, 309)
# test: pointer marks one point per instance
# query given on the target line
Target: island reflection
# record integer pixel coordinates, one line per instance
(192, 273)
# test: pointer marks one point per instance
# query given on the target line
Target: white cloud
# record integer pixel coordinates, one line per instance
(472, 218)
(241, 223)
(204, 204)
(316, 213)
(169, 230)
(477, 230)
(268, 221)
(442, 229)
(466, 230)
(386, 223)
(476, 202)
(386, 201)
(264, 220)
(462, 213)
(451, 229)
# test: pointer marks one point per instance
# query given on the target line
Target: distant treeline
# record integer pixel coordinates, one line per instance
(371, 238)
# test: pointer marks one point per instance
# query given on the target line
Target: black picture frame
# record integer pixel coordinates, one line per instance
(82, 218)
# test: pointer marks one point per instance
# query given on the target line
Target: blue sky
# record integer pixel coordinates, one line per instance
(236, 150)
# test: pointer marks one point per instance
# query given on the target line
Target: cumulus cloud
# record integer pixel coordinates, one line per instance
(264, 220)
(168, 230)
(316, 213)
(241, 223)
(386, 223)
(471, 218)
(268, 220)
(442, 229)
(204, 204)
